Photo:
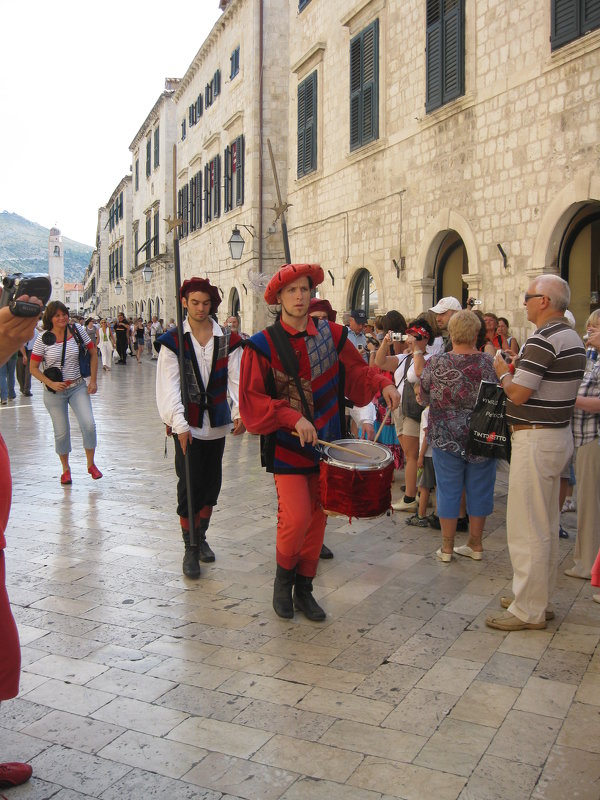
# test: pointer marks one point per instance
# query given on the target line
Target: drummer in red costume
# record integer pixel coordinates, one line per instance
(294, 376)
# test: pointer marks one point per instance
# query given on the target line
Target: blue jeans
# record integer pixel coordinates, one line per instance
(58, 407)
(7, 379)
(453, 474)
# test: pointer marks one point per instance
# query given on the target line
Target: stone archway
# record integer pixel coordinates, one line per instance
(448, 235)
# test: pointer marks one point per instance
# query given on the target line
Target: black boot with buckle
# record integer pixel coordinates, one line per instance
(282, 592)
(191, 567)
(304, 600)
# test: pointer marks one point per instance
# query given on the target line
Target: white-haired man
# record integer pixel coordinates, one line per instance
(540, 396)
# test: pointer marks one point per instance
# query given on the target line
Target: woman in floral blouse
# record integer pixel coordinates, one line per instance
(451, 383)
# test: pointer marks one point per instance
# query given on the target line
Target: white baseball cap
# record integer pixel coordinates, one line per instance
(446, 304)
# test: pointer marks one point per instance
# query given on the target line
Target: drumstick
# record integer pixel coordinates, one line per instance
(336, 446)
(384, 420)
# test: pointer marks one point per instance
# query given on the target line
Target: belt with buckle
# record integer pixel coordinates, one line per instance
(525, 427)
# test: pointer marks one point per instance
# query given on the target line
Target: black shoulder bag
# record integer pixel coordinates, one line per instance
(55, 373)
(85, 366)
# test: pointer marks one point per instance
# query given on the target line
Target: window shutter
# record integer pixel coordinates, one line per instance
(121, 260)
(453, 50)
(239, 171)
(227, 183)
(148, 157)
(590, 17)
(148, 237)
(301, 126)
(156, 148)
(137, 174)
(198, 200)
(207, 194)
(192, 204)
(121, 206)
(355, 92)
(185, 211)
(370, 110)
(434, 55)
(565, 22)
(179, 212)
(183, 131)
(156, 227)
(217, 187)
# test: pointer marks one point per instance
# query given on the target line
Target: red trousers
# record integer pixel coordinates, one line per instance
(10, 660)
(300, 523)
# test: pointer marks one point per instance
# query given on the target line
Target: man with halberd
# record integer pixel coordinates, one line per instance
(212, 357)
(294, 376)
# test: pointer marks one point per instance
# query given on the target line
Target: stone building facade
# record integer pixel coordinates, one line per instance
(453, 148)
(117, 254)
(152, 207)
(231, 102)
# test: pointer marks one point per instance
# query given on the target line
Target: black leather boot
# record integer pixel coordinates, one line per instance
(282, 592)
(325, 552)
(205, 554)
(304, 600)
(191, 567)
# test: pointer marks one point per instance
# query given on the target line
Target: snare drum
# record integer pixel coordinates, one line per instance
(352, 486)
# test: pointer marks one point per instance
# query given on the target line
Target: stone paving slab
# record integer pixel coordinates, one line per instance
(138, 683)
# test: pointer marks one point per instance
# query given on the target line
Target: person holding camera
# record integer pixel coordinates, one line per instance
(15, 331)
(57, 349)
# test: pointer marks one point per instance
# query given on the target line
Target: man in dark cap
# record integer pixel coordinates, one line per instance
(356, 332)
(212, 368)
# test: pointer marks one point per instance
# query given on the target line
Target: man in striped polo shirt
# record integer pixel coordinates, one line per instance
(540, 398)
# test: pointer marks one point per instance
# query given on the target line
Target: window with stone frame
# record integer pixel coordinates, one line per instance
(445, 52)
(212, 193)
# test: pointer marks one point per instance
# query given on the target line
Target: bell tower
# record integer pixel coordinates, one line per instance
(56, 265)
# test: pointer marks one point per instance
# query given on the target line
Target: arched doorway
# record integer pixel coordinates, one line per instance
(157, 307)
(364, 292)
(579, 261)
(234, 303)
(451, 263)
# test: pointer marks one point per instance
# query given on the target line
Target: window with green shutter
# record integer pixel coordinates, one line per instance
(156, 233)
(572, 19)
(235, 63)
(148, 237)
(233, 174)
(445, 52)
(156, 147)
(307, 125)
(137, 174)
(364, 86)
(148, 157)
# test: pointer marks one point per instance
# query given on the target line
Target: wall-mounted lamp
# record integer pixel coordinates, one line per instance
(236, 242)
(504, 256)
(118, 287)
(331, 276)
(147, 273)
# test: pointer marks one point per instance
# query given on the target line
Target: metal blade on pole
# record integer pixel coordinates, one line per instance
(280, 209)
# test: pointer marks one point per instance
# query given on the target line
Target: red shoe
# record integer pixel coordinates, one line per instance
(65, 478)
(14, 774)
(95, 472)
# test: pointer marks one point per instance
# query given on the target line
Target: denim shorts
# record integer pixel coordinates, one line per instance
(453, 474)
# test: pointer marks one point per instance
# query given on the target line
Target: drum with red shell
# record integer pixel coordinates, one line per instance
(355, 486)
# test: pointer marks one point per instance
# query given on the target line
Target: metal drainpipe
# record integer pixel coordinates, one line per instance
(260, 148)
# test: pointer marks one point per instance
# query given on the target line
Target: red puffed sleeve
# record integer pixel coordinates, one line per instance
(260, 412)
(361, 382)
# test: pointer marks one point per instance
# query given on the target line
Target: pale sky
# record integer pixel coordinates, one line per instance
(77, 81)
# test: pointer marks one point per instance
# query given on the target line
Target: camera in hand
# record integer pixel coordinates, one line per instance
(398, 337)
(32, 285)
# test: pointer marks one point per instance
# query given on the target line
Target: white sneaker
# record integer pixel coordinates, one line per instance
(401, 505)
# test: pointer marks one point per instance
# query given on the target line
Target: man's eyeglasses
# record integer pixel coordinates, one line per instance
(529, 297)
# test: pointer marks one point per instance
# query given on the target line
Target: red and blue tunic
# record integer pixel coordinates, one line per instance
(269, 399)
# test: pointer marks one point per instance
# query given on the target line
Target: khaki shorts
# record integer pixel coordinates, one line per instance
(405, 426)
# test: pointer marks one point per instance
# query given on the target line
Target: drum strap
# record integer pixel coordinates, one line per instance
(286, 354)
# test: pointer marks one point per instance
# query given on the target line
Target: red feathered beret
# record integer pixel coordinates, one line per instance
(201, 285)
(288, 274)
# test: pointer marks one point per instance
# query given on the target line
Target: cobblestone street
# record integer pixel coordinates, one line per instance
(138, 683)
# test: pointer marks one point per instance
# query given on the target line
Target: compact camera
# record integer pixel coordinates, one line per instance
(506, 356)
(34, 284)
(398, 337)
(473, 302)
